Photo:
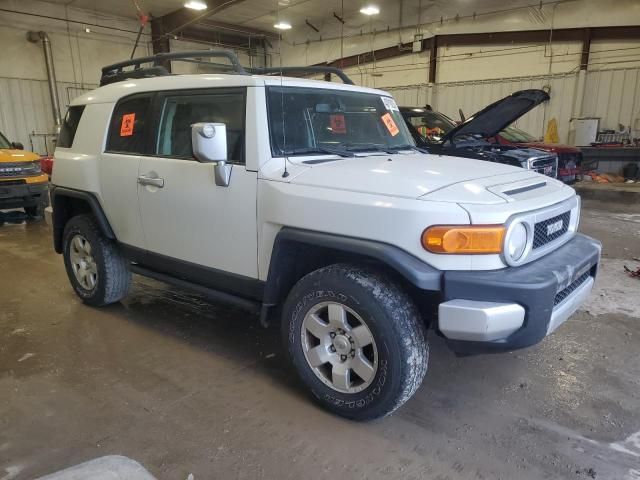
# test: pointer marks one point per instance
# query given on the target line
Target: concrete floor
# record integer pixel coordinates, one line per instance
(184, 386)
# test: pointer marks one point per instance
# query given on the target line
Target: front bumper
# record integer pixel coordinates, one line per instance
(23, 195)
(517, 307)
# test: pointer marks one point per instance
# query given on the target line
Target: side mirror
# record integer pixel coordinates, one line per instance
(17, 146)
(209, 144)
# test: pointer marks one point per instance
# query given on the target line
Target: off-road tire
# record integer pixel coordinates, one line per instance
(114, 277)
(394, 322)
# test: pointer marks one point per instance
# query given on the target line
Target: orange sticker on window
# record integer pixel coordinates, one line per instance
(126, 127)
(387, 119)
(337, 124)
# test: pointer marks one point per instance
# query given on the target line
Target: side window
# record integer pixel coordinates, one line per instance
(179, 112)
(127, 132)
(69, 126)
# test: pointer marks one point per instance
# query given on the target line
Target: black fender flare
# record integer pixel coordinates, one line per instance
(61, 214)
(420, 274)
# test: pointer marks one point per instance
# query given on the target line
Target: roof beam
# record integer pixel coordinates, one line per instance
(183, 21)
(433, 58)
(586, 48)
(198, 34)
(472, 39)
(239, 30)
(176, 21)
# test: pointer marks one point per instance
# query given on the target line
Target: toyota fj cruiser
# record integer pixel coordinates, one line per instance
(309, 199)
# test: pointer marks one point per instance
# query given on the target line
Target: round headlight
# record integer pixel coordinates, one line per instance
(516, 241)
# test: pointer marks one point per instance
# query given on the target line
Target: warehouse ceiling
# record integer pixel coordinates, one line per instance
(263, 14)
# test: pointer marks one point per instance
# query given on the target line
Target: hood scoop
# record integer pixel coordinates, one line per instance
(525, 189)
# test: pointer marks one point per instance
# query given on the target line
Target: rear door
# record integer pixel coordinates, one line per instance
(127, 139)
(193, 227)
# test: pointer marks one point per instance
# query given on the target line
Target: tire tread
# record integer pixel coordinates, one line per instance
(116, 275)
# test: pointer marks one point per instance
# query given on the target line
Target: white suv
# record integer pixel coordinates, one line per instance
(309, 199)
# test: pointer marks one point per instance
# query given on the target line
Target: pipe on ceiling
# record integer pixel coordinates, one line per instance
(35, 37)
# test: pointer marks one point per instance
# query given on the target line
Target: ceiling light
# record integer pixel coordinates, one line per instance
(196, 5)
(282, 25)
(370, 10)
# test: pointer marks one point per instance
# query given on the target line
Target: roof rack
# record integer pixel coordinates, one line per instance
(314, 69)
(117, 73)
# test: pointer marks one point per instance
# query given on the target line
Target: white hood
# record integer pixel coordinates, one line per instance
(405, 175)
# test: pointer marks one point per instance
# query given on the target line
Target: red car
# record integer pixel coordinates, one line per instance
(570, 165)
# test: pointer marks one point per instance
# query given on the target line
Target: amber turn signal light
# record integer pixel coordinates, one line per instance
(464, 239)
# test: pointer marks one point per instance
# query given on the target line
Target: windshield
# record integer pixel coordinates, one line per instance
(4, 143)
(515, 135)
(311, 121)
(431, 126)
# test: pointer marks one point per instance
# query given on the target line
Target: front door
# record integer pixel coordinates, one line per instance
(205, 232)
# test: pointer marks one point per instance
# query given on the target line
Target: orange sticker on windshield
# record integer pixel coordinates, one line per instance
(390, 124)
(337, 124)
(126, 127)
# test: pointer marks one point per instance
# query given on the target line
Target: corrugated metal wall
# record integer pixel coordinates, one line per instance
(448, 98)
(25, 108)
(614, 96)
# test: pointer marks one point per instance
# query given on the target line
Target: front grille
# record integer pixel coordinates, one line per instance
(546, 166)
(562, 294)
(19, 169)
(549, 230)
(12, 182)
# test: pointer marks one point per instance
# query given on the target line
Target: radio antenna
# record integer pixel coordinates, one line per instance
(285, 174)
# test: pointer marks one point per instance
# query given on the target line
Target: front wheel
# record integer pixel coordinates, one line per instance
(356, 340)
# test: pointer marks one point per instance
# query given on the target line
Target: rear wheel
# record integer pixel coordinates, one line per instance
(356, 340)
(97, 271)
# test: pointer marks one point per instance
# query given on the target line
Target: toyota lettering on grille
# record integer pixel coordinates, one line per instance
(554, 227)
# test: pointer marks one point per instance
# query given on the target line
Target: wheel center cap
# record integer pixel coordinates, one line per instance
(342, 344)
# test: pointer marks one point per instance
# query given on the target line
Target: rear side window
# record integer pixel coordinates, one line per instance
(69, 126)
(129, 124)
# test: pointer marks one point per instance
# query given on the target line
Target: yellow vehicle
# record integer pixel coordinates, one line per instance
(22, 182)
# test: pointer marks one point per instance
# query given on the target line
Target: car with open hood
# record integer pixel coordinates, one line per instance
(307, 203)
(474, 137)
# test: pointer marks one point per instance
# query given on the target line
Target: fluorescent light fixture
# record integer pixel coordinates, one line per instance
(281, 25)
(196, 5)
(370, 10)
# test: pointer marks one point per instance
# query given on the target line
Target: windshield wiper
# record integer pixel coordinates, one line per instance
(311, 150)
(369, 148)
(407, 146)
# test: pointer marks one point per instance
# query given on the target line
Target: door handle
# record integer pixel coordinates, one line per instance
(154, 181)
